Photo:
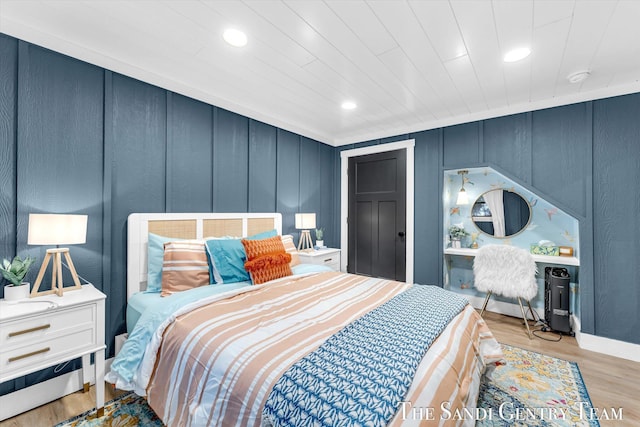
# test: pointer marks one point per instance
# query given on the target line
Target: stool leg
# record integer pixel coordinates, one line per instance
(524, 317)
(486, 301)
(534, 314)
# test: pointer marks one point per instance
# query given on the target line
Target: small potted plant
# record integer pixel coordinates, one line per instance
(15, 272)
(319, 237)
(456, 233)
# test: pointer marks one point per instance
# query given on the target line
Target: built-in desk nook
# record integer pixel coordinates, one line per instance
(483, 206)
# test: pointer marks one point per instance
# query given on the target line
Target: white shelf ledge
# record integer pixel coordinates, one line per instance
(546, 259)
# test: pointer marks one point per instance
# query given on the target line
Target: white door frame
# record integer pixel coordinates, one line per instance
(408, 145)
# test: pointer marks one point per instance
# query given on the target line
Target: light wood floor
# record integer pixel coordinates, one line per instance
(611, 382)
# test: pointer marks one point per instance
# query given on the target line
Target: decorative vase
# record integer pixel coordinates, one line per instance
(14, 293)
(455, 243)
(320, 243)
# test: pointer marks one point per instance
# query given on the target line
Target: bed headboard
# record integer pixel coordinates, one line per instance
(186, 226)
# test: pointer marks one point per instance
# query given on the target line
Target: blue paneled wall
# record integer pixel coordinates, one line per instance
(75, 138)
(78, 138)
(583, 158)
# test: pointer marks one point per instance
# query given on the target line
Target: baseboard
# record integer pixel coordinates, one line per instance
(589, 342)
(608, 346)
(31, 397)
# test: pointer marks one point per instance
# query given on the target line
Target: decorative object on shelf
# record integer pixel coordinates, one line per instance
(15, 272)
(463, 199)
(305, 222)
(565, 251)
(319, 237)
(56, 229)
(545, 247)
(456, 233)
(475, 238)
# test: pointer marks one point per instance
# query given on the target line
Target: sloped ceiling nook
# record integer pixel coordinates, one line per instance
(407, 65)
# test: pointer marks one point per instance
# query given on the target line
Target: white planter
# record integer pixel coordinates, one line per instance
(456, 244)
(320, 243)
(14, 293)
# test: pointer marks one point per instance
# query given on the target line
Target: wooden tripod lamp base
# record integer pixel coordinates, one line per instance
(57, 286)
(305, 243)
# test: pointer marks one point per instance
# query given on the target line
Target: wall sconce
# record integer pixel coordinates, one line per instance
(52, 229)
(304, 222)
(463, 199)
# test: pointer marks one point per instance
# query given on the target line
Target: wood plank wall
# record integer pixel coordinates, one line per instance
(76, 138)
(585, 159)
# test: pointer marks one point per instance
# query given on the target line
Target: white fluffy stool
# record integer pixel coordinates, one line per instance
(507, 271)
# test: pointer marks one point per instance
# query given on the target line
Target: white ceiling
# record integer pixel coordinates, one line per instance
(409, 65)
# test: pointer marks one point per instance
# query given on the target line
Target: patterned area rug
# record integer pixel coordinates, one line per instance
(531, 389)
(128, 410)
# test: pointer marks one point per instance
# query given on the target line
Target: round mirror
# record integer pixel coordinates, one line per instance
(501, 213)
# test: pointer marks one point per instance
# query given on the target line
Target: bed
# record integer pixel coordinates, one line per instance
(314, 347)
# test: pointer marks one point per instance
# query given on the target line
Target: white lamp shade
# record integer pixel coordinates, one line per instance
(463, 199)
(54, 229)
(305, 221)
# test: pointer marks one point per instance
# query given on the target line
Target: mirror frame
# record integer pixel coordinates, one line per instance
(510, 235)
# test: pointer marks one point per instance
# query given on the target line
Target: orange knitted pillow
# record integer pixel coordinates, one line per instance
(266, 259)
(269, 267)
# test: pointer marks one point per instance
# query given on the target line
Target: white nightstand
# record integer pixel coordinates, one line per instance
(329, 257)
(40, 332)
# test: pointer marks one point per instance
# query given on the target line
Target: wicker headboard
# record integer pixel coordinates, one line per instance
(186, 226)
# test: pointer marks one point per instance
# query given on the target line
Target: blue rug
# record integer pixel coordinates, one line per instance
(531, 389)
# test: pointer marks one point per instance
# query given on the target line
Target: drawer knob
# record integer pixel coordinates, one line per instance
(26, 331)
(33, 353)
(328, 260)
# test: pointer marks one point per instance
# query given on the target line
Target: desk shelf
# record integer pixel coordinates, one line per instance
(545, 259)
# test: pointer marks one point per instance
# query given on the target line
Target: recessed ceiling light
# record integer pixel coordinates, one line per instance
(578, 76)
(517, 54)
(348, 105)
(235, 37)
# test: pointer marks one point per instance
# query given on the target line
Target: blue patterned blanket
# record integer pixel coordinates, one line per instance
(360, 375)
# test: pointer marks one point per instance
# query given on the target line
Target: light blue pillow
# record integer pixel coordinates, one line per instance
(155, 257)
(227, 257)
(263, 235)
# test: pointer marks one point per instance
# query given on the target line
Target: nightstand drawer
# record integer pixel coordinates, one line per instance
(47, 350)
(332, 262)
(44, 326)
(327, 257)
(45, 331)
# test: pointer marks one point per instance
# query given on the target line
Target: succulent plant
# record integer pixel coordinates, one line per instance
(16, 270)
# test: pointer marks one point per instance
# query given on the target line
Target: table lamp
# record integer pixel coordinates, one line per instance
(304, 222)
(54, 229)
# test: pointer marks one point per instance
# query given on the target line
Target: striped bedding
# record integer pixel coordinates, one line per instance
(217, 363)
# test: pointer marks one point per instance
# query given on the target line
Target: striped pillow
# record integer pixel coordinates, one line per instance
(290, 247)
(185, 266)
(266, 259)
